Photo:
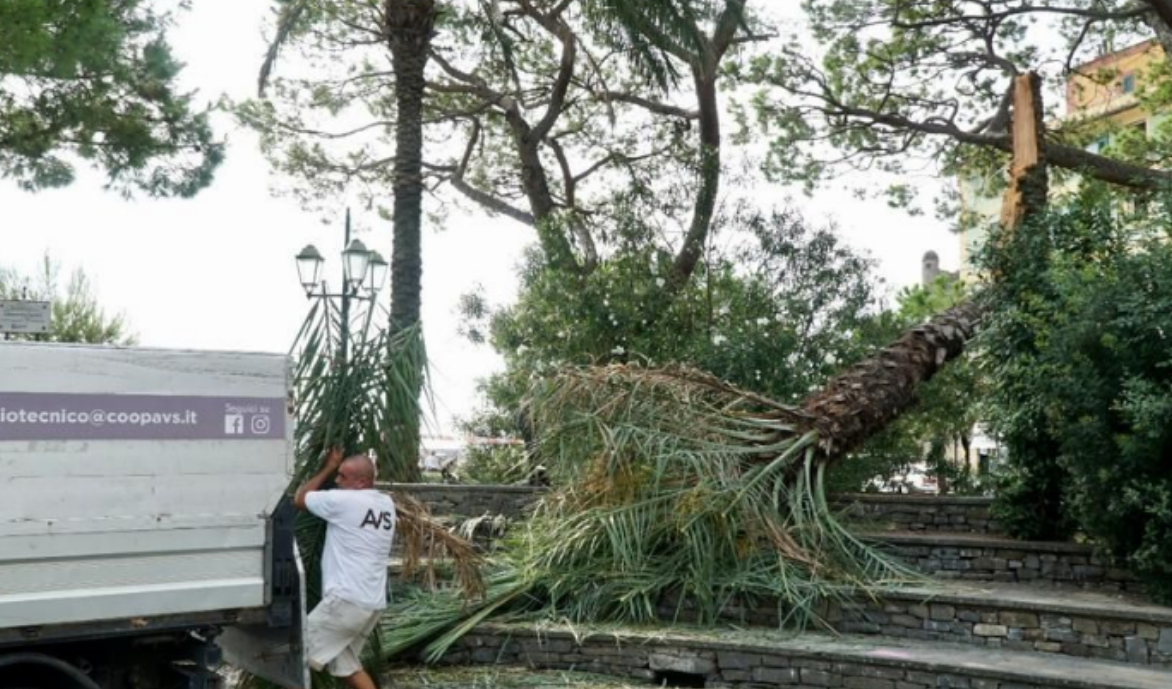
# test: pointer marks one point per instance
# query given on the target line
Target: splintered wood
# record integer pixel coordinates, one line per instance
(1027, 146)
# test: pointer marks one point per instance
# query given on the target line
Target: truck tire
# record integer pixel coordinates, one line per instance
(61, 668)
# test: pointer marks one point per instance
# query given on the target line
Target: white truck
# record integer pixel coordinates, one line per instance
(145, 536)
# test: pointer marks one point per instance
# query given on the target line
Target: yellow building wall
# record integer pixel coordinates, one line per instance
(1094, 92)
(1096, 89)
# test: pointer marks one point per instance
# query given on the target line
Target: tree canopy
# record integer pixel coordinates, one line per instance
(909, 87)
(553, 114)
(97, 81)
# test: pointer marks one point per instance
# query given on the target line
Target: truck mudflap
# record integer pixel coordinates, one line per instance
(275, 649)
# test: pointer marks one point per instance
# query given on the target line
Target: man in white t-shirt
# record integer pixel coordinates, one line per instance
(354, 564)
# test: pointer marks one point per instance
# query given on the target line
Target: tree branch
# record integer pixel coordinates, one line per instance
(492, 203)
(1162, 9)
(585, 239)
(647, 104)
(1093, 165)
(1133, 13)
(731, 19)
(479, 196)
(557, 99)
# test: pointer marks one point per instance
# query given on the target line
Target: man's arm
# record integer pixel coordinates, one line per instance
(333, 461)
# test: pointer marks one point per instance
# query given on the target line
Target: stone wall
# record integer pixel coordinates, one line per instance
(716, 664)
(1000, 560)
(471, 500)
(919, 512)
(1084, 635)
(923, 513)
(1127, 635)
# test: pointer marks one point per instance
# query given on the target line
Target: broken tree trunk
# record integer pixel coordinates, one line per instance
(871, 394)
(862, 401)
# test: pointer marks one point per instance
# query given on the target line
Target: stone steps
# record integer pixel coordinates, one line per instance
(1051, 621)
(999, 614)
(1076, 623)
(751, 658)
(977, 557)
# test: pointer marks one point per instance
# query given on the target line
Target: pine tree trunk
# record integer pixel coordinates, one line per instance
(409, 26)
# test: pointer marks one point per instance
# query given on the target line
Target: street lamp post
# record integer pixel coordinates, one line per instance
(363, 275)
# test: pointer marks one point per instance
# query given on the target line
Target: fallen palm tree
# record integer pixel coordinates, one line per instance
(679, 489)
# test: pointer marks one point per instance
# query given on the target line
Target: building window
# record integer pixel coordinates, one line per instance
(1128, 84)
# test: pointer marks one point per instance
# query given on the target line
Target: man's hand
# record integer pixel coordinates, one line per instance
(333, 461)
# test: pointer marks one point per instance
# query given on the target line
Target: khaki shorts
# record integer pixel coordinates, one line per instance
(336, 633)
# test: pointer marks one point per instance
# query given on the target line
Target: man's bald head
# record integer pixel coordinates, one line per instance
(356, 473)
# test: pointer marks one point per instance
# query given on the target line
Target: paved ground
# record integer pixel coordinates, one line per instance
(497, 678)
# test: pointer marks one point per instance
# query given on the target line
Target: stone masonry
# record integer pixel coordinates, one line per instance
(918, 512)
(472, 500)
(1125, 633)
(1084, 635)
(718, 664)
(985, 559)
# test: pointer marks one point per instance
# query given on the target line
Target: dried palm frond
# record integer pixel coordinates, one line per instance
(425, 542)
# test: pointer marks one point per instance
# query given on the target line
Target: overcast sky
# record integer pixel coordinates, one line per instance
(217, 272)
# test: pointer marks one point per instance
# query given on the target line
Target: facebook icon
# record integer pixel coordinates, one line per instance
(233, 424)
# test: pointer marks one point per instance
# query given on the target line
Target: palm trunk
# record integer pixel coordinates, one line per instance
(871, 394)
(860, 402)
(409, 25)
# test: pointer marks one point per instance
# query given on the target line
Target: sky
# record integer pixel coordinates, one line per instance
(217, 271)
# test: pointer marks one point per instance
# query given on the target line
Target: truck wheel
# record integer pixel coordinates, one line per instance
(58, 668)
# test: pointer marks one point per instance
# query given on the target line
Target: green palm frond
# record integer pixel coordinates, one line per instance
(683, 497)
(650, 33)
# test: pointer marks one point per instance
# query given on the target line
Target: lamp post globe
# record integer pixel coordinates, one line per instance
(355, 263)
(309, 263)
(378, 272)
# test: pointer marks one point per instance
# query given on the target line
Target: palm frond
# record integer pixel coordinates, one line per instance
(358, 403)
(651, 33)
(682, 497)
(425, 542)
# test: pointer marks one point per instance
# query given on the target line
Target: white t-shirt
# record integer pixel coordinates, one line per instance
(358, 544)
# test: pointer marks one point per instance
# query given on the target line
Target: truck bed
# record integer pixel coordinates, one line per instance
(136, 482)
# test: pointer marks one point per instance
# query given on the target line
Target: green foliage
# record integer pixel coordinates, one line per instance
(908, 88)
(676, 489)
(494, 137)
(778, 308)
(96, 80)
(76, 316)
(496, 465)
(1084, 383)
(355, 403)
(651, 33)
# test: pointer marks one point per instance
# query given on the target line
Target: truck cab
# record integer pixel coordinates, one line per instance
(146, 538)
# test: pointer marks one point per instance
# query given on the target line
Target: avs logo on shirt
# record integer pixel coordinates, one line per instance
(384, 520)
